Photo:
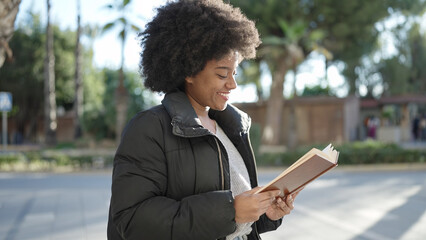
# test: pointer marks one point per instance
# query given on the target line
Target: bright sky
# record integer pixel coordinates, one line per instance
(107, 47)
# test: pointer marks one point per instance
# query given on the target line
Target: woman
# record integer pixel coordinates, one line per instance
(185, 169)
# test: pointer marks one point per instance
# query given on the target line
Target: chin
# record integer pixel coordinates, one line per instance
(220, 108)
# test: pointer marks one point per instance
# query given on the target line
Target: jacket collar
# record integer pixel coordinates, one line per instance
(186, 123)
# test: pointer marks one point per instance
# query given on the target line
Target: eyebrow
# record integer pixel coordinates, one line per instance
(226, 68)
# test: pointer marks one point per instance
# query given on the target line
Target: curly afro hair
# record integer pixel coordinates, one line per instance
(184, 35)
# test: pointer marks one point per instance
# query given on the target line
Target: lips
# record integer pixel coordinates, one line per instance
(224, 95)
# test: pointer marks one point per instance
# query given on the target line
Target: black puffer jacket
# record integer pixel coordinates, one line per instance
(171, 176)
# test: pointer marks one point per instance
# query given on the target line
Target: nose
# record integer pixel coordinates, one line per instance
(231, 83)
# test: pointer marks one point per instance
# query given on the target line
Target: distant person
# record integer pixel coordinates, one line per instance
(416, 127)
(185, 169)
(422, 128)
(365, 127)
(372, 124)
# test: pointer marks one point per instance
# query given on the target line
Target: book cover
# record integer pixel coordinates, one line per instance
(306, 169)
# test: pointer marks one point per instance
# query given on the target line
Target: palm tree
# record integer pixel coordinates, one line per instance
(78, 79)
(8, 11)
(50, 123)
(287, 39)
(281, 54)
(121, 94)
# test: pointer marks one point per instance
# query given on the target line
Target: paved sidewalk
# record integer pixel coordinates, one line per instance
(48, 206)
(348, 203)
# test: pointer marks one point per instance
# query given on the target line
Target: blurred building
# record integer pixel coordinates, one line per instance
(400, 118)
(313, 120)
(321, 120)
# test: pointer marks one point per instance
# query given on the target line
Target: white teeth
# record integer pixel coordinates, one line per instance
(224, 94)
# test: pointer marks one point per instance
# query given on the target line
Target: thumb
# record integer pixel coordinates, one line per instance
(254, 190)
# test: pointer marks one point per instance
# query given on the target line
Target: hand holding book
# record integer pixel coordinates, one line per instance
(281, 206)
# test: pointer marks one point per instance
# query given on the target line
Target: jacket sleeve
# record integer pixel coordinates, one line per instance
(139, 206)
(264, 224)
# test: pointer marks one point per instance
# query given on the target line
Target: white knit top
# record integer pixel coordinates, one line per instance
(240, 181)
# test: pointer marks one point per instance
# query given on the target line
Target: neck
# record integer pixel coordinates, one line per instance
(203, 114)
(201, 111)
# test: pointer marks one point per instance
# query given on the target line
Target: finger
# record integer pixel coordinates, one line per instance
(268, 202)
(281, 205)
(269, 194)
(289, 201)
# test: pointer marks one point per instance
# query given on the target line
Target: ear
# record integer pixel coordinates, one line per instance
(189, 80)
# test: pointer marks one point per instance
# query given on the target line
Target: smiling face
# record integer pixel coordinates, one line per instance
(211, 87)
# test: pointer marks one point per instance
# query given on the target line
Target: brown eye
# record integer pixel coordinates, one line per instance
(221, 76)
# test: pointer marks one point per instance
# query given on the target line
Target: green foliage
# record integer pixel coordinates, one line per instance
(7, 159)
(405, 73)
(101, 122)
(64, 47)
(122, 22)
(317, 90)
(23, 77)
(47, 161)
(345, 29)
(367, 152)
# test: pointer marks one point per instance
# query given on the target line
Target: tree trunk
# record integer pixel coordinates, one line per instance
(78, 79)
(351, 76)
(8, 11)
(292, 139)
(50, 123)
(272, 131)
(121, 98)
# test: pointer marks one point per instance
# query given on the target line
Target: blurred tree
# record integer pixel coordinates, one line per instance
(8, 11)
(78, 79)
(101, 123)
(50, 123)
(290, 30)
(405, 73)
(121, 94)
(417, 44)
(352, 32)
(285, 35)
(249, 72)
(23, 76)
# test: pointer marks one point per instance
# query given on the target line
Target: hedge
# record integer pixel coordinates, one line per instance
(368, 152)
(39, 160)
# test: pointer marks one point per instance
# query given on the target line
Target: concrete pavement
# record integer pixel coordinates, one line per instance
(345, 204)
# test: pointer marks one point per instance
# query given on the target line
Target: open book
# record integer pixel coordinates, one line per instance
(310, 166)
